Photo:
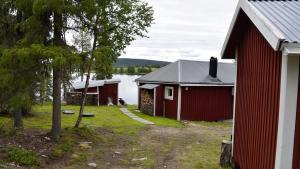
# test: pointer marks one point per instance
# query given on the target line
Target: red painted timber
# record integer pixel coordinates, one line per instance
(159, 100)
(257, 101)
(296, 160)
(206, 103)
(170, 106)
(108, 90)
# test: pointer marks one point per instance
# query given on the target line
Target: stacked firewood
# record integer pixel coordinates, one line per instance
(147, 101)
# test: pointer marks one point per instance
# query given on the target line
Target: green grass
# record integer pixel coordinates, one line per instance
(159, 121)
(23, 157)
(107, 117)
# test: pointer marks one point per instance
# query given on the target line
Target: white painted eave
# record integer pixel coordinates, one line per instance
(291, 49)
(268, 30)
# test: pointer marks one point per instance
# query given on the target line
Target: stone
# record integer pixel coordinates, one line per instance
(69, 112)
(45, 156)
(139, 159)
(85, 146)
(94, 165)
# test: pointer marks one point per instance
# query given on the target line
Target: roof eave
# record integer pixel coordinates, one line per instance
(268, 30)
(291, 49)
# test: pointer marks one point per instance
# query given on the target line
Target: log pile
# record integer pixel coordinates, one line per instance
(74, 98)
(147, 101)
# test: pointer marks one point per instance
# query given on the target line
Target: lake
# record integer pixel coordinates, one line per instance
(127, 88)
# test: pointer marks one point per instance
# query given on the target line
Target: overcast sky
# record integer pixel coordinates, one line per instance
(185, 29)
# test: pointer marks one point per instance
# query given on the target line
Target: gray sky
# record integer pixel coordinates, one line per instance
(185, 29)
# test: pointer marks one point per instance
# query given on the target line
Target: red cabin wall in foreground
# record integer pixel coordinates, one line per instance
(257, 101)
(204, 103)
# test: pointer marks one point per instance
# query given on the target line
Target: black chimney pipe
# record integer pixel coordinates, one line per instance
(213, 67)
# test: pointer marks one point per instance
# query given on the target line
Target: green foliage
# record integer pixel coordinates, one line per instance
(7, 130)
(131, 70)
(104, 63)
(23, 157)
(113, 24)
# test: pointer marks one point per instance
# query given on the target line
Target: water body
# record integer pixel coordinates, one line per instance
(127, 88)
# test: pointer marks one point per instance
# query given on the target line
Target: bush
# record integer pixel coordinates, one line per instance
(23, 157)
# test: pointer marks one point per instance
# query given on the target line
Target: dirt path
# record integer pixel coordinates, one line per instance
(164, 148)
(197, 145)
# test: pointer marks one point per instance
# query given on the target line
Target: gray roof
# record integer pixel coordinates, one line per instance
(284, 15)
(191, 72)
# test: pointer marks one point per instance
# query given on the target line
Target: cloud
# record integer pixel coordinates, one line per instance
(191, 29)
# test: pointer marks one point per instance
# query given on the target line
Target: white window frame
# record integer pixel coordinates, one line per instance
(167, 88)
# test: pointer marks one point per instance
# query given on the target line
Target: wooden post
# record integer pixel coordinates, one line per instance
(225, 158)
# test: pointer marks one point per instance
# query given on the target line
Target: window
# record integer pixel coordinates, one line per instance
(169, 93)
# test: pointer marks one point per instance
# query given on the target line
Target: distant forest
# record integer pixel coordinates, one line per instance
(137, 66)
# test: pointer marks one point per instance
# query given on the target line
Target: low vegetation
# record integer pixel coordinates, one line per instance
(23, 157)
(134, 70)
(112, 140)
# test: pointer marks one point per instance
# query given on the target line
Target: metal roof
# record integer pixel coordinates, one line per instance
(94, 83)
(149, 86)
(284, 15)
(191, 72)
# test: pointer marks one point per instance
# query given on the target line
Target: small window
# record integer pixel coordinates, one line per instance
(169, 93)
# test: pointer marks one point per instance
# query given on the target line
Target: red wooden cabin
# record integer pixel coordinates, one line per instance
(99, 92)
(264, 39)
(189, 90)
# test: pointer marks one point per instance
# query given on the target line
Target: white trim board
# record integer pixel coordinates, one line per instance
(179, 104)
(154, 104)
(287, 111)
(234, 100)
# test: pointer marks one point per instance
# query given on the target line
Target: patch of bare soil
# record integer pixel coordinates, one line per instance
(154, 147)
(34, 140)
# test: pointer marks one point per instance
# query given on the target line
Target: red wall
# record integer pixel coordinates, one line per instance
(206, 103)
(170, 106)
(257, 101)
(159, 102)
(108, 90)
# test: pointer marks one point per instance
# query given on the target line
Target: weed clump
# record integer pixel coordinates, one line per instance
(23, 157)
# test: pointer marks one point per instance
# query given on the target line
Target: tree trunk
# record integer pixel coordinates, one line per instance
(18, 118)
(84, 94)
(56, 116)
(57, 79)
(87, 79)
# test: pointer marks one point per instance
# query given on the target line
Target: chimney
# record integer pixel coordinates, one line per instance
(213, 67)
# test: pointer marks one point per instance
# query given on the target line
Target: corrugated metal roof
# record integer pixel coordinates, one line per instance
(191, 72)
(285, 15)
(94, 83)
(149, 86)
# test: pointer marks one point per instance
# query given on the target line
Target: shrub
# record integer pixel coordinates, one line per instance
(23, 157)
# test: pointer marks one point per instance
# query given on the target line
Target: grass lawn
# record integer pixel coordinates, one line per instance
(109, 117)
(117, 141)
(159, 121)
